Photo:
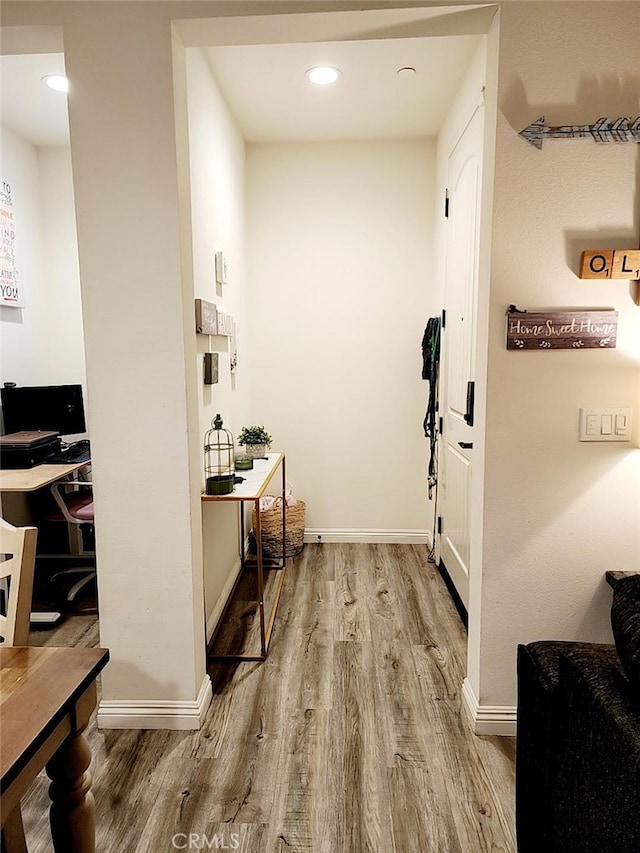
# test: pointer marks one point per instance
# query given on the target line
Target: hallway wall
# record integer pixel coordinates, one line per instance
(217, 188)
(339, 270)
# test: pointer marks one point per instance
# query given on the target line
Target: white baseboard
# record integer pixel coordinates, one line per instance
(214, 617)
(156, 714)
(355, 535)
(488, 719)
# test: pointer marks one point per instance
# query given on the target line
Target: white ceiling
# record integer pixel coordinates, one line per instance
(271, 99)
(266, 89)
(27, 106)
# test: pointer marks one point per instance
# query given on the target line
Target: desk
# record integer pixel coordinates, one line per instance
(31, 479)
(46, 700)
(253, 488)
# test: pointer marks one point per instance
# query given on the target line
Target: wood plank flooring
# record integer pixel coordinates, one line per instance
(239, 630)
(348, 739)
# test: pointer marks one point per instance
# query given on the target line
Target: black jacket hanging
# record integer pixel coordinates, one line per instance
(430, 368)
(431, 348)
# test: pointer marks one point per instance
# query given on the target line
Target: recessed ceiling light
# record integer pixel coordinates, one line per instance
(322, 75)
(57, 82)
(406, 72)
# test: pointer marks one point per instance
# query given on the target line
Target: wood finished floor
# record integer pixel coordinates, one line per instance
(348, 739)
(239, 631)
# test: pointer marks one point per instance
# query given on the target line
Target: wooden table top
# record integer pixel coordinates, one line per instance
(37, 687)
(30, 479)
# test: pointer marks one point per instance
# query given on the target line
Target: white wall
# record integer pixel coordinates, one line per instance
(217, 164)
(63, 336)
(42, 343)
(558, 513)
(339, 269)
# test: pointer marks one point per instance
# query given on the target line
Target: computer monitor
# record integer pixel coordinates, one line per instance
(43, 407)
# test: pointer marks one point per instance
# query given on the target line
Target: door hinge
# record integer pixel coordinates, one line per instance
(444, 318)
(439, 525)
(446, 204)
(441, 426)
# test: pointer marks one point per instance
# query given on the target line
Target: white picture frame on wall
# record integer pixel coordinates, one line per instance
(221, 268)
(11, 291)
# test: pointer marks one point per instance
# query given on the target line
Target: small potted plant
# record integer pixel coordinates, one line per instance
(256, 440)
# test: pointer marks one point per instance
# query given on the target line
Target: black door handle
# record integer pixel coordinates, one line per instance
(466, 445)
(471, 395)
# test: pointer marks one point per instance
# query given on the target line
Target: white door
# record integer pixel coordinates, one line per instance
(458, 341)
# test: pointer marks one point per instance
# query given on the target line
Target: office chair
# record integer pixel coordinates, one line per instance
(75, 506)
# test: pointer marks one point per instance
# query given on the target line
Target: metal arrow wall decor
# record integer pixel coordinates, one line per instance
(604, 130)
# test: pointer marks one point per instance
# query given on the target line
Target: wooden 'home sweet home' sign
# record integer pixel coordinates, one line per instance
(562, 330)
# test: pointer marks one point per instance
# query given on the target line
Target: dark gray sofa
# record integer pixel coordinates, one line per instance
(578, 739)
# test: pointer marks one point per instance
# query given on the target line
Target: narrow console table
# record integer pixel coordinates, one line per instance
(251, 490)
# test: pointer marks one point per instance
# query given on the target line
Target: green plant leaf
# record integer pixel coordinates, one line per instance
(255, 434)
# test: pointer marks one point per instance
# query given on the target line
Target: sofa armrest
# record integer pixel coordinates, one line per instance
(598, 782)
(539, 739)
(613, 578)
(595, 674)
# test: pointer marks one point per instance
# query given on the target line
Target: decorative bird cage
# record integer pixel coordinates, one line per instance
(219, 468)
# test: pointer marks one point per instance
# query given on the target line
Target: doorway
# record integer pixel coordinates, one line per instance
(362, 508)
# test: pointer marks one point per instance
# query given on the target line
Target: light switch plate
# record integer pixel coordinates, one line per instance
(605, 424)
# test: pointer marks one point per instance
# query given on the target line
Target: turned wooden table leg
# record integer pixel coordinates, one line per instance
(72, 814)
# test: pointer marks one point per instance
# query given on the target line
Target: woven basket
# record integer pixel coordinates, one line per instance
(271, 529)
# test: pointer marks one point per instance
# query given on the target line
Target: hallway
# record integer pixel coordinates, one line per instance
(349, 738)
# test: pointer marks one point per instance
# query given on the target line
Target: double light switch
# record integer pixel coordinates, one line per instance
(605, 424)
